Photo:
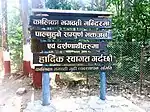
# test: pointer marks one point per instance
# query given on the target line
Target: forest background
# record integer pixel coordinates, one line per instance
(131, 33)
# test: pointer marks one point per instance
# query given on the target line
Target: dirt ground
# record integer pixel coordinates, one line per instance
(9, 98)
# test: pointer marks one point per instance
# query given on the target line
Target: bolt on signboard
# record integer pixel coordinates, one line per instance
(71, 41)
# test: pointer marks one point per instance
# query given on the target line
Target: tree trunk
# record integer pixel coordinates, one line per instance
(6, 55)
(26, 47)
(4, 24)
(38, 4)
(103, 4)
(37, 76)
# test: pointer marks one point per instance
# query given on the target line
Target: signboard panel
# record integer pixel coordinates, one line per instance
(63, 33)
(72, 68)
(47, 58)
(86, 22)
(37, 46)
(46, 46)
(57, 34)
(71, 13)
(45, 21)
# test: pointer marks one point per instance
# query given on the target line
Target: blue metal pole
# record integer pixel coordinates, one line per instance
(102, 85)
(45, 89)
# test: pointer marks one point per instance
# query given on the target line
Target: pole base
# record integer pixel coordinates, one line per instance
(26, 68)
(102, 85)
(45, 88)
(37, 79)
(7, 68)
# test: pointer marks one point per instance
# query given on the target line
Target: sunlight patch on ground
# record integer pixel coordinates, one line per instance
(85, 104)
(12, 104)
(1, 77)
(32, 95)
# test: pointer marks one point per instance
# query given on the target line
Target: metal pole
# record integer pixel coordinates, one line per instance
(5, 49)
(45, 89)
(103, 74)
(102, 85)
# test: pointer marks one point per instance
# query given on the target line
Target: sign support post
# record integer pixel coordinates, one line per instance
(102, 85)
(45, 89)
(103, 74)
(50, 50)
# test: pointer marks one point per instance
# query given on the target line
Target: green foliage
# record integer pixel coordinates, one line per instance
(127, 56)
(131, 30)
(15, 38)
(131, 19)
(58, 4)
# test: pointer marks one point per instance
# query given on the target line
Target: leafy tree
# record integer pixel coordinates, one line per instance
(131, 29)
(58, 4)
(130, 23)
(15, 39)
